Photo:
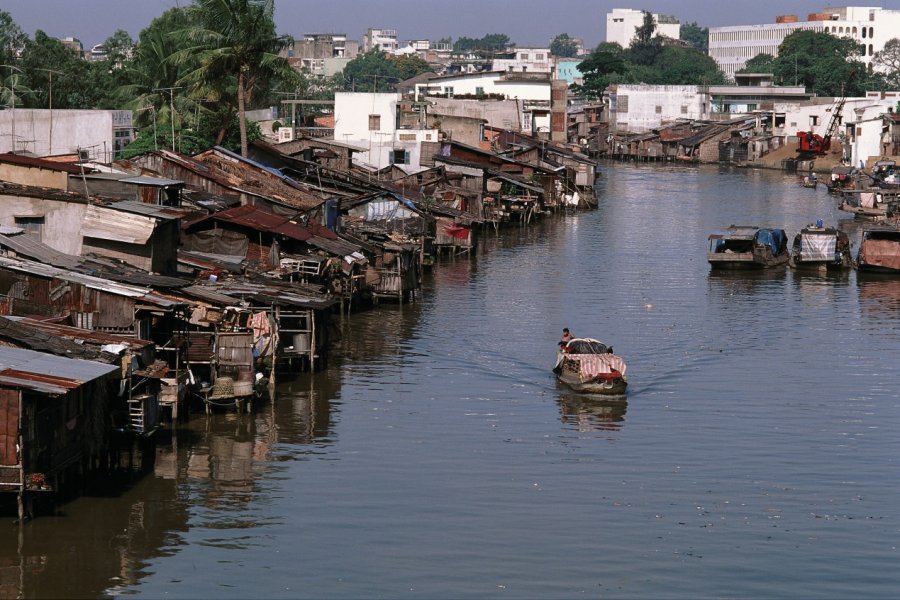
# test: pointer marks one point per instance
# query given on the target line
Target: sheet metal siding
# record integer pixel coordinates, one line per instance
(9, 428)
(111, 224)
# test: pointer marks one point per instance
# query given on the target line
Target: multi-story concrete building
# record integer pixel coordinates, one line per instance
(524, 60)
(373, 124)
(321, 53)
(380, 39)
(870, 27)
(621, 23)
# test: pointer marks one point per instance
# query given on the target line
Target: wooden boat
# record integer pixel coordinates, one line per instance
(879, 251)
(809, 181)
(842, 178)
(746, 247)
(820, 248)
(873, 204)
(588, 366)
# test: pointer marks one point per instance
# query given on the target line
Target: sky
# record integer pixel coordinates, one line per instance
(526, 22)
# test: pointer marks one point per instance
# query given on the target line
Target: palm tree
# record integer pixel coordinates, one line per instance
(233, 39)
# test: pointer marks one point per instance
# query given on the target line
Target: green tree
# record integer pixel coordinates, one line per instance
(490, 43)
(563, 46)
(761, 63)
(118, 48)
(371, 71)
(233, 40)
(151, 74)
(686, 66)
(888, 60)
(696, 36)
(605, 65)
(409, 65)
(826, 65)
(645, 47)
(12, 38)
(71, 81)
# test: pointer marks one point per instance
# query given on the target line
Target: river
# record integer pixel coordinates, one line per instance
(436, 457)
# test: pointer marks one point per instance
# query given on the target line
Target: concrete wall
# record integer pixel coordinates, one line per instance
(34, 176)
(90, 130)
(649, 106)
(488, 83)
(351, 125)
(62, 220)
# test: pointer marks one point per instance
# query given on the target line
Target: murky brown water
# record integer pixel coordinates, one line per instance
(756, 455)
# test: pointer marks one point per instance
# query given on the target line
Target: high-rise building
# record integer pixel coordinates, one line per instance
(870, 27)
(622, 22)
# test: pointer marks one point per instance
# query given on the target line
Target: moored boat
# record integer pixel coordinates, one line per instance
(879, 251)
(747, 247)
(820, 248)
(589, 366)
(873, 204)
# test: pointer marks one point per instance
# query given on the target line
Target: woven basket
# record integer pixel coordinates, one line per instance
(222, 388)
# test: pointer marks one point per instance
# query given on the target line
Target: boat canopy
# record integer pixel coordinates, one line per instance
(773, 238)
(586, 346)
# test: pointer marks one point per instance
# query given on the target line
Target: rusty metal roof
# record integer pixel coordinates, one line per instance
(27, 369)
(40, 163)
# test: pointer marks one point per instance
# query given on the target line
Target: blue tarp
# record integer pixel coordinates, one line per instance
(773, 238)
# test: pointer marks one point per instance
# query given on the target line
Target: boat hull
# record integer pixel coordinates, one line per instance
(601, 387)
(744, 261)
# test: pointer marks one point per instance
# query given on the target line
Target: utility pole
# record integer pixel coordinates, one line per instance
(50, 73)
(171, 91)
(13, 94)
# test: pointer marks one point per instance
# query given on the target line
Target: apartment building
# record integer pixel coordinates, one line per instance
(870, 27)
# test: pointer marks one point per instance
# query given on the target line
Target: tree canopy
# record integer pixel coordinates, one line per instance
(696, 36)
(492, 42)
(563, 46)
(888, 59)
(826, 65)
(373, 71)
(761, 63)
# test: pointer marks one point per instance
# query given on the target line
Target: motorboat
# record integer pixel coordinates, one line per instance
(820, 248)
(589, 366)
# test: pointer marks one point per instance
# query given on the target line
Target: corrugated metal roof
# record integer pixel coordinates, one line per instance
(39, 163)
(30, 370)
(108, 223)
(105, 285)
(156, 211)
(27, 246)
(84, 336)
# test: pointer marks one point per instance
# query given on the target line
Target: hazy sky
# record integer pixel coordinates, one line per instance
(526, 22)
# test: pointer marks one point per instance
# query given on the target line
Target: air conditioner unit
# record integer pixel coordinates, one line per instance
(84, 155)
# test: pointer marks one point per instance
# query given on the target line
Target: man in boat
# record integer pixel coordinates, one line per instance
(560, 355)
(566, 335)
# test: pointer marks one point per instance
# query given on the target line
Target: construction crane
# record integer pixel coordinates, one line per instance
(813, 143)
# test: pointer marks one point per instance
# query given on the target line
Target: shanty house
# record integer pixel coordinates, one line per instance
(53, 421)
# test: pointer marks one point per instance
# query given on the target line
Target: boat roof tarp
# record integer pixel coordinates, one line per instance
(775, 239)
(881, 249)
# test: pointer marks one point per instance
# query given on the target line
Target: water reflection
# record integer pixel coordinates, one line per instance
(586, 412)
(879, 295)
(93, 544)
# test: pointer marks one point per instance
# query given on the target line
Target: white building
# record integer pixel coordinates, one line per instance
(622, 22)
(371, 122)
(530, 90)
(639, 108)
(859, 127)
(869, 27)
(525, 60)
(42, 132)
(380, 39)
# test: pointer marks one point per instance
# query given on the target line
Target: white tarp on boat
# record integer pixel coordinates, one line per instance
(592, 365)
(817, 247)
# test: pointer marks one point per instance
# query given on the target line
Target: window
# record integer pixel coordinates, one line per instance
(374, 122)
(448, 89)
(538, 57)
(479, 91)
(399, 156)
(658, 109)
(813, 120)
(33, 226)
